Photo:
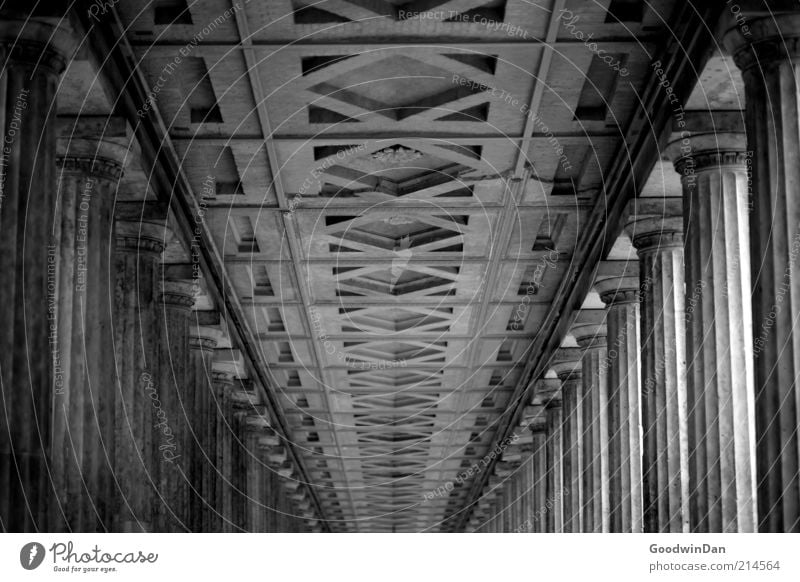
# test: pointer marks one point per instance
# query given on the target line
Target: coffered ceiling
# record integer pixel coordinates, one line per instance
(394, 222)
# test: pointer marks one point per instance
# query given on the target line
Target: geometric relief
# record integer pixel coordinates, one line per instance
(409, 168)
(404, 236)
(396, 319)
(402, 352)
(382, 84)
(429, 281)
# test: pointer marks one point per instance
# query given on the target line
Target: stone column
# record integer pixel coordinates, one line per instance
(554, 522)
(172, 437)
(713, 168)
(239, 472)
(223, 415)
(202, 424)
(34, 53)
(491, 514)
(508, 504)
(244, 399)
(254, 498)
(524, 473)
(501, 499)
(590, 333)
(516, 490)
(618, 285)
(83, 407)
(539, 497)
(656, 229)
(509, 492)
(567, 366)
(769, 57)
(272, 492)
(140, 242)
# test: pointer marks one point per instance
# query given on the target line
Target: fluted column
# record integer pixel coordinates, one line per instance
(539, 497)
(172, 438)
(567, 365)
(239, 456)
(255, 481)
(223, 415)
(272, 492)
(526, 511)
(491, 520)
(620, 292)
(719, 329)
(554, 517)
(502, 508)
(511, 503)
(202, 427)
(591, 339)
(83, 410)
(138, 408)
(769, 57)
(34, 53)
(510, 508)
(656, 229)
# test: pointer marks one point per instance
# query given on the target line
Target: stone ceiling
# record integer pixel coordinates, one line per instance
(395, 223)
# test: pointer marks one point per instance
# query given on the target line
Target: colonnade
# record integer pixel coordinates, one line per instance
(679, 405)
(125, 406)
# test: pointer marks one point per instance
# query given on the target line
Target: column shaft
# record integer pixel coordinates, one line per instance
(202, 428)
(173, 438)
(29, 358)
(572, 419)
(136, 340)
(553, 505)
(719, 325)
(539, 479)
(594, 404)
(768, 57)
(223, 384)
(625, 468)
(84, 407)
(665, 468)
(255, 485)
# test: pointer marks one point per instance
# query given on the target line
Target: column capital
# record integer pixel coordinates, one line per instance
(140, 237)
(177, 293)
(533, 417)
(268, 440)
(204, 338)
(539, 426)
(222, 378)
(243, 401)
(656, 223)
(617, 282)
(229, 361)
(141, 226)
(566, 363)
(95, 145)
(48, 43)
(546, 390)
(594, 340)
(257, 422)
(589, 329)
(766, 40)
(702, 151)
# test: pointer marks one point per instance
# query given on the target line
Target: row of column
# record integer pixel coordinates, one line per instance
(114, 415)
(658, 396)
(680, 405)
